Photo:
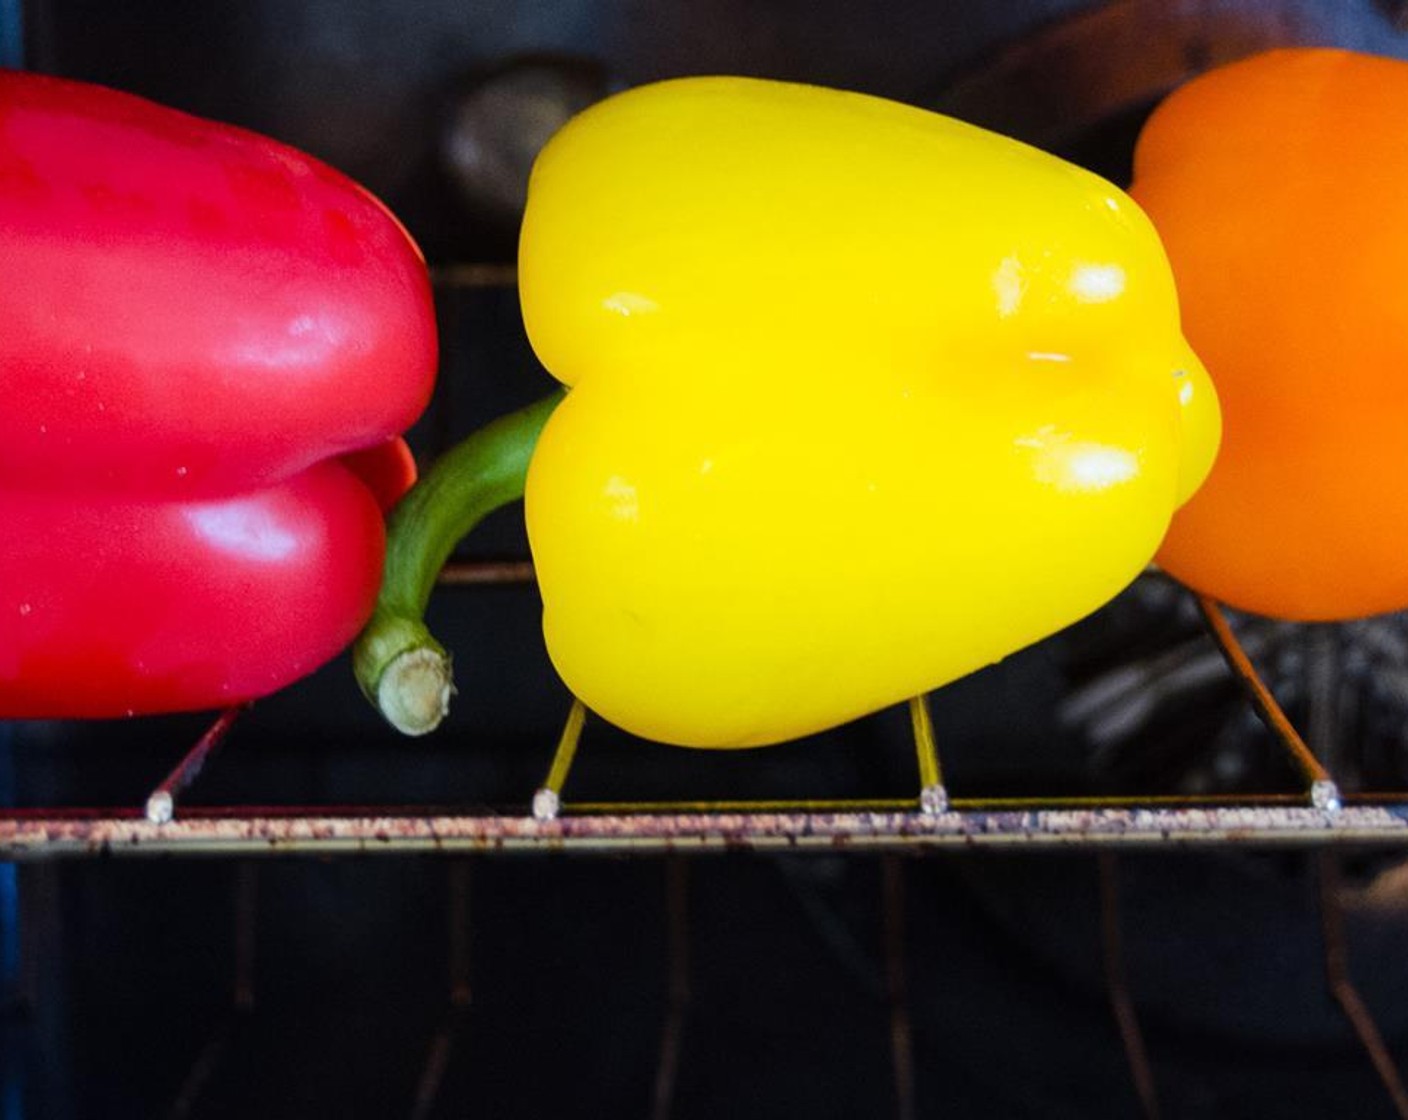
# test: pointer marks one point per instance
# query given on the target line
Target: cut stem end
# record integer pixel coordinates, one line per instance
(414, 691)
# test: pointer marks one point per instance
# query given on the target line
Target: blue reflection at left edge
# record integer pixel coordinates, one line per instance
(11, 1023)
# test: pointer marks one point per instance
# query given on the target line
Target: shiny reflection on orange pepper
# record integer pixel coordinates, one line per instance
(1277, 185)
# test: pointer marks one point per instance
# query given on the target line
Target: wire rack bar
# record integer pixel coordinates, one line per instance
(933, 795)
(280, 831)
(161, 803)
(678, 991)
(437, 1059)
(547, 802)
(1117, 981)
(1324, 790)
(213, 1054)
(475, 275)
(897, 988)
(1341, 984)
(477, 573)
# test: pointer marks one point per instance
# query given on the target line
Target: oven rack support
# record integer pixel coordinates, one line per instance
(1319, 817)
(1321, 814)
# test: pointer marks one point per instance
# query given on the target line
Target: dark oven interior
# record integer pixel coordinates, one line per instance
(866, 976)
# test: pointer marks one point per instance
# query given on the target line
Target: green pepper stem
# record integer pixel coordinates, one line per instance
(401, 668)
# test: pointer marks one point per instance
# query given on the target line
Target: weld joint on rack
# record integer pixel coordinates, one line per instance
(1325, 796)
(933, 800)
(547, 804)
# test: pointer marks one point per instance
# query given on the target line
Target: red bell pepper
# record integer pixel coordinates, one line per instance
(210, 346)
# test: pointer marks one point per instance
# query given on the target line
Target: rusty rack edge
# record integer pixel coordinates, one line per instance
(272, 832)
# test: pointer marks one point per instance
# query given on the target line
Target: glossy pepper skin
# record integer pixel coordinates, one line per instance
(126, 605)
(1276, 185)
(861, 399)
(211, 344)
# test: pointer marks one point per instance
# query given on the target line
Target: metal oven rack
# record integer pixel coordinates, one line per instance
(547, 820)
(1318, 817)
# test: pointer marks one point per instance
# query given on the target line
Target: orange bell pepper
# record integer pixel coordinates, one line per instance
(1277, 184)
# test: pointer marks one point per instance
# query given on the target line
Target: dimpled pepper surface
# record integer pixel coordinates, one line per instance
(1277, 184)
(862, 399)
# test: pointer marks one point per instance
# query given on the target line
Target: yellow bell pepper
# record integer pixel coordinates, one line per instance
(862, 399)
